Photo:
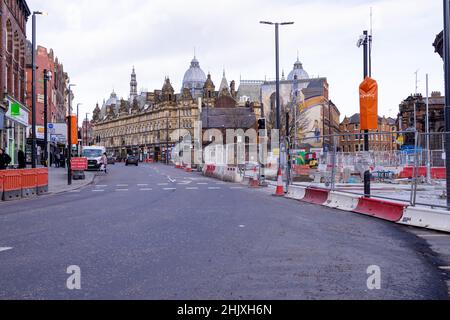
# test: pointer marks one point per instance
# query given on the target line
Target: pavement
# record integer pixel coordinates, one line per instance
(156, 232)
(57, 178)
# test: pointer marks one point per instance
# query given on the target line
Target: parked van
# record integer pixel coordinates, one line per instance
(94, 156)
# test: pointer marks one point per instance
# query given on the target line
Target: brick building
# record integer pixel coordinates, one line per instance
(14, 114)
(56, 87)
(87, 133)
(354, 142)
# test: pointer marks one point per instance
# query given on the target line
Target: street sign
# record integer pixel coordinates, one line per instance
(51, 126)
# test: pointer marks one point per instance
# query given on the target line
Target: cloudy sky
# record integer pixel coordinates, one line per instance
(100, 41)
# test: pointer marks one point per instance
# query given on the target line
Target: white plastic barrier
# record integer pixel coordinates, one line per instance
(342, 201)
(231, 174)
(219, 172)
(296, 192)
(426, 218)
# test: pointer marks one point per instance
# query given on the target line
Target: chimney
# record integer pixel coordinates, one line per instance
(436, 94)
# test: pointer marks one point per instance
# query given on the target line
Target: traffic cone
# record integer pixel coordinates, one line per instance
(189, 167)
(177, 165)
(280, 189)
(254, 183)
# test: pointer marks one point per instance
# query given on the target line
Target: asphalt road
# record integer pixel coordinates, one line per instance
(155, 232)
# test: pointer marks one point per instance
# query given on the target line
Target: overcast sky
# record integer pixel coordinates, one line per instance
(100, 41)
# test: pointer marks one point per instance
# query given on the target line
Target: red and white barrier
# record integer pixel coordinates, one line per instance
(296, 192)
(316, 196)
(381, 209)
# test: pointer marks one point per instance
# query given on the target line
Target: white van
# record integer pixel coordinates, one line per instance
(94, 156)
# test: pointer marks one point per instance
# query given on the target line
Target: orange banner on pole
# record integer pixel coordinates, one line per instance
(74, 129)
(368, 97)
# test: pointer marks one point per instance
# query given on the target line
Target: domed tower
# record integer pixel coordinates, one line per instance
(298, 73)
(194, 79)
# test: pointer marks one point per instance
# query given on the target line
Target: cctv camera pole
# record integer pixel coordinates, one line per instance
(447, 92)
(366, 132)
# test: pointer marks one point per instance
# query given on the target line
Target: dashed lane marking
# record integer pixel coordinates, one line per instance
(101, 186)
(192, 188)
(98, 190)
(163, 184)
(121, 190)
(142, 184)
(122, 185)
(146, 189)
(214, 188)
(445, 268)
(202, 183)
(2, 249)
(236, 188)
(169, 189)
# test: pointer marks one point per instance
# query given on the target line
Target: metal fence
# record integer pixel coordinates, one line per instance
(405, 166)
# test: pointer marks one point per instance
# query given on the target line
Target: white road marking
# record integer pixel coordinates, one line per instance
(5, 249)
(433, 235)
(142, 185)
(74, 191)
(122, 185)
(146, 189)
(121, 190)
(214, 188)
(163, 184)
(192, 188)
(202, 183)
(445, 268)
(98, 190)
(237, 188)
(242, 226)
(169, 189)
(101, 186)
(171, 180)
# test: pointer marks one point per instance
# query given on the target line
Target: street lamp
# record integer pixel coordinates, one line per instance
(47, 77)
(277, 64)
(447, 92)
(33, 89)
(69, 137)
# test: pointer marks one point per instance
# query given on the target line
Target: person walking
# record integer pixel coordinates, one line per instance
(57, 159)
(21, 159)
(104, 162)
(5, 159)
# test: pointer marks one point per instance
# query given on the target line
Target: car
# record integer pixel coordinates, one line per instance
(132, 159)
(111, 160)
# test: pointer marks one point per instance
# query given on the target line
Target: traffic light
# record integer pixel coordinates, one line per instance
(262, 124)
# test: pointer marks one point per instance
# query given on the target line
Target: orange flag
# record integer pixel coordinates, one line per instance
(368, 97)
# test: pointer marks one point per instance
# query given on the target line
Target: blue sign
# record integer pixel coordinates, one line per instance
(2, 119)
(50, 126)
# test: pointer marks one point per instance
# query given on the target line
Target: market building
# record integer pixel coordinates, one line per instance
(146, 123)
(14, 114)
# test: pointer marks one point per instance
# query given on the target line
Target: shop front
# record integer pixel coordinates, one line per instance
(15, 129)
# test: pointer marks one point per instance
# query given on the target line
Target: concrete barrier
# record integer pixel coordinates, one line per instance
(342, 201)
(423, 217)
(381, 209)
(296, 192)
(316, 196)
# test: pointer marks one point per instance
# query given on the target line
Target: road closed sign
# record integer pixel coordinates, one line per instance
(368, 96)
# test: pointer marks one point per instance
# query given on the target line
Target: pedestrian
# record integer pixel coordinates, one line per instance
(104, 162)
(21, 159)
(57, 159)
(5, 159)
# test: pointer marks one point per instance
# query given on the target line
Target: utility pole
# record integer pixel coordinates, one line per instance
(47, 77)
(277, 67)
(69, 138)
(447, 92)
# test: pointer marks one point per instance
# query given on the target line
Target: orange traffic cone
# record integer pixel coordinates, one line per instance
(254, 183)
(280, 189)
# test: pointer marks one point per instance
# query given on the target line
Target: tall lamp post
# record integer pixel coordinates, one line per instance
(69, 138)
(33, 90)
(47, 77)
(277, 67)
